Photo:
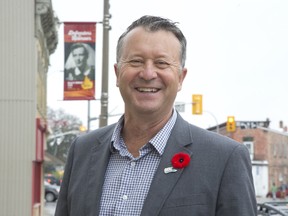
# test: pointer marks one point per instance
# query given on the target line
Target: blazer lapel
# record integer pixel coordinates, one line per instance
(99, 159)
(162, 184)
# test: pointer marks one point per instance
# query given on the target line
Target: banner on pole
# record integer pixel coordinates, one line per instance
(79, 61)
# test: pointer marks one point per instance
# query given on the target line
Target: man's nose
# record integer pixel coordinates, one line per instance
(149, 71)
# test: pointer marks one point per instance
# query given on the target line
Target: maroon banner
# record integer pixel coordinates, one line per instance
(79, 69)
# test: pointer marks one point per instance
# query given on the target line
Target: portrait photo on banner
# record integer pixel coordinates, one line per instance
(79, 61)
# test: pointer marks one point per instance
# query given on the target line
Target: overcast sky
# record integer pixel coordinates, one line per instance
(237, 56)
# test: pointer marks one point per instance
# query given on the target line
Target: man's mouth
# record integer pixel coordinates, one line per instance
(148, 90)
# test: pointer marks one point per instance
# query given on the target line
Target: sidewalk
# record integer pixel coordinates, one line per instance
(265, 199)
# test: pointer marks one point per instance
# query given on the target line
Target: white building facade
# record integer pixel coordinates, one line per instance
(28, 37)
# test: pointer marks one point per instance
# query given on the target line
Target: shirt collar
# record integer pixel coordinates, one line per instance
(86, 71)
(158, 141)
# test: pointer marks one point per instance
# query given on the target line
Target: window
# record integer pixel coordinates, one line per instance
(248, 142)
(250, 146)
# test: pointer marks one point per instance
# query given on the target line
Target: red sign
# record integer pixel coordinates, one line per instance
(79, 69)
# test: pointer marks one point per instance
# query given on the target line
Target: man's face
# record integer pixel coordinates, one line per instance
(149, 73)
(79, 57)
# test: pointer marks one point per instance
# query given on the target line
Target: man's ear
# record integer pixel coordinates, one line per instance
(116, 73)
(182, 76)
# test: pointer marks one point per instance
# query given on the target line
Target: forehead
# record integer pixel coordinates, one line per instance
(160, 41)
(79, 50)
(141, 32)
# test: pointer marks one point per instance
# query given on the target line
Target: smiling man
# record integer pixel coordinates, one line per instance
(153, 162)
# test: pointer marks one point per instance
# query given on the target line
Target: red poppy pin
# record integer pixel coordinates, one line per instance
(179, 161)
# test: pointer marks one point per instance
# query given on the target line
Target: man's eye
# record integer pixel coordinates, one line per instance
(162, 64)
(135, 62)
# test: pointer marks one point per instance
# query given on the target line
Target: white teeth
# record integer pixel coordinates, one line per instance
(147, 89)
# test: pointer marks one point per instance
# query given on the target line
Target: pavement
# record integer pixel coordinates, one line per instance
(265, 199)
(49, 209)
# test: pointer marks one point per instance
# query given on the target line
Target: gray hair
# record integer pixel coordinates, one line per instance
(154, 23)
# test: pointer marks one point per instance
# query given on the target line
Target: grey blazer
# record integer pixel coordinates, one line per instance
(217, 182)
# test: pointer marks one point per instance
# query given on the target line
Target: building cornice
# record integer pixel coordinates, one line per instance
(42, 6)
(273, 131)
(49, 23)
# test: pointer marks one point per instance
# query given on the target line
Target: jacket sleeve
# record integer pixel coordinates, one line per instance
(236, 194)
(62, 208)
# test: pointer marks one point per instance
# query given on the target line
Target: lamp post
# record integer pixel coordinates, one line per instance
(103, 118)
(181, 108)
(217, 125)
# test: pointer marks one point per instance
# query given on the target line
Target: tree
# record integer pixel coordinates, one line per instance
(64, 128)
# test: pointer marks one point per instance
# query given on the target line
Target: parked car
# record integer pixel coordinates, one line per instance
(51, 192)
(51, 179)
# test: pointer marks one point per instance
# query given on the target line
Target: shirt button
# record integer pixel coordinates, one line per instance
(133, 163)
(125, 197)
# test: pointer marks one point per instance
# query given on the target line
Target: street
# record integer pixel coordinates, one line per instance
(49, 208)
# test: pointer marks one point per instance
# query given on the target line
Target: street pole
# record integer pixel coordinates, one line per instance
(217, 125)
(88, 117)
(103, 118)
(180, 107)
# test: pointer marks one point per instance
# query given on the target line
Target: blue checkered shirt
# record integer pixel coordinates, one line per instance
(128, 179)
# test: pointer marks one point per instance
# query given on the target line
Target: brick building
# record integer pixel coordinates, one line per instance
(268, 152)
